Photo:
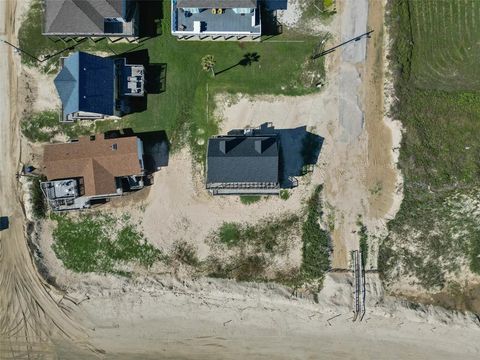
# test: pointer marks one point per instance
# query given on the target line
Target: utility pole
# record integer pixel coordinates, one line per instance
(356, 38)
(23, 51)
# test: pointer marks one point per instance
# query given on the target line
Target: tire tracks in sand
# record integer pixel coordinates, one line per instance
(30, 316)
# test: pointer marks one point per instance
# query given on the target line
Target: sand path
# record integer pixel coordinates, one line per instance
(30, 313)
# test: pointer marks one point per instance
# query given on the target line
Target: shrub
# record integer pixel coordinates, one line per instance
(39, 205)
(315, 251)
(229, 234)
(249, 199)
(284, 194)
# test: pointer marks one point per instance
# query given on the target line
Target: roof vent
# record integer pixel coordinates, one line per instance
(261, 145)
(92, 137)
(114, 147)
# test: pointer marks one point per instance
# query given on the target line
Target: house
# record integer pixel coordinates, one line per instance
(91, 18)
(216, 19)
(243, 163)
(93, 87)
(91, 169)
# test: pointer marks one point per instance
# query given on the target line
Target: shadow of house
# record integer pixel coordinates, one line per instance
(273, 5)
(155, 73)
(156, 147)
(150, 18)
(155, 78)
(270, 25)
(299, 150)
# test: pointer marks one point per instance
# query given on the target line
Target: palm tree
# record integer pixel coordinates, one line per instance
(208, 63)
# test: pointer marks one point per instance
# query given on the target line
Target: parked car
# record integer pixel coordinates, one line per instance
(3, 222)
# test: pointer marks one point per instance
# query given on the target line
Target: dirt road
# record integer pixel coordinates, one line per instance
(29, 314)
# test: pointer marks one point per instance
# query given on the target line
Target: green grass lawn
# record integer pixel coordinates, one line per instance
(185, 109)
(434, 233)
(446, 51)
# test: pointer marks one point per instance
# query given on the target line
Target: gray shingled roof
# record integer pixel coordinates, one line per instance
(79, 16)
(217, 4)
(242, 159)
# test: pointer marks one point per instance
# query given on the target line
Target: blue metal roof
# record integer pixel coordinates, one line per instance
(86, 83)
(66, 83)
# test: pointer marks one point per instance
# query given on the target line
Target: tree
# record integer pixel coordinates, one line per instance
(208, 63)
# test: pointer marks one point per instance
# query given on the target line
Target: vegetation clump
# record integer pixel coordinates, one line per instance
(284, 194)
(363, 240)
(316, 248)
(39, 205)
(44, 126)
(270, 235)
(253, 250)
(249, 199)
(101, 243)
(434, 234)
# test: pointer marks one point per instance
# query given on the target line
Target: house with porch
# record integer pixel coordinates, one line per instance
(216, 19)
(91, 18)
(243, 162)
(93, 168)
(94, 87)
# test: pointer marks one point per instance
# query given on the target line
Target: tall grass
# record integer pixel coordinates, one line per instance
(439, 153)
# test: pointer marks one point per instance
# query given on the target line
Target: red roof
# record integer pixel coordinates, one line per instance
(97, 161)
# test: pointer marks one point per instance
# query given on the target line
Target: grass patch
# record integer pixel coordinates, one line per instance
(284, 194)
(445, 37)
(249, 199)
(39, 205)
(249, 252)
(435, 231)
(101, 243)
(229, 234)
(270, 235)
(185, 110)
(317, 9)
(315, 251)
(44, 126)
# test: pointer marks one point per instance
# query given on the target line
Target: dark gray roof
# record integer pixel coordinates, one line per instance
(217, 4)
(80, 16)
(242, 159)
